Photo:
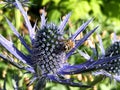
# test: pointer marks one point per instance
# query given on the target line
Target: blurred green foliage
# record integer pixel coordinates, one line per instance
(106, 14)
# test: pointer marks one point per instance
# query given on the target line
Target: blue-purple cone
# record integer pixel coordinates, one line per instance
(113, 66)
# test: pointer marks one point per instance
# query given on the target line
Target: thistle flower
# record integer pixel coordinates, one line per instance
(110, 68)
(47, 57)
(107, 63)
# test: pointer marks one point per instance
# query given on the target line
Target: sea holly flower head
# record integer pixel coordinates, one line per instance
(108, 60)
(47, 58)
(110, 68)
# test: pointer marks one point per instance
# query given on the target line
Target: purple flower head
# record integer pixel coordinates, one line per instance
(107, 62)
(47, 58)
(111, 66)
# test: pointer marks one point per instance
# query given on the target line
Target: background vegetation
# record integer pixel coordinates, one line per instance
(106, 14)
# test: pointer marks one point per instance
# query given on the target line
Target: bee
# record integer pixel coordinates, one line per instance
(68, 44)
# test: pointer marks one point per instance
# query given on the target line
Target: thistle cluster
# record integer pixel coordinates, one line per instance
(47, 58)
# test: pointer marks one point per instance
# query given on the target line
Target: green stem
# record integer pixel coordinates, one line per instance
(17, 18)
